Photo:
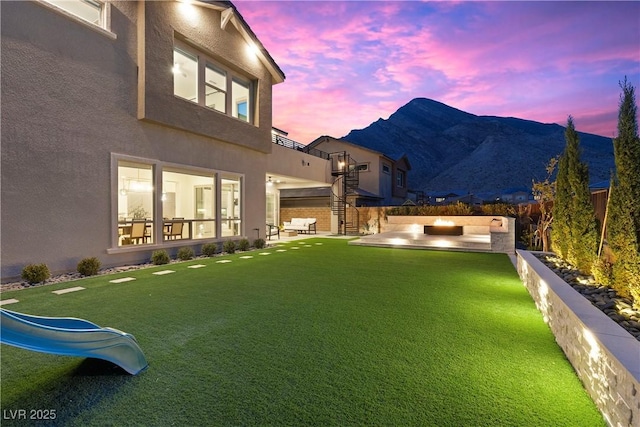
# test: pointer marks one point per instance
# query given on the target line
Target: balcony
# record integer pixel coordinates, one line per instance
(293, 145)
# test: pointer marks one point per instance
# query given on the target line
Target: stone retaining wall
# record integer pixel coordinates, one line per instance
(603, 354)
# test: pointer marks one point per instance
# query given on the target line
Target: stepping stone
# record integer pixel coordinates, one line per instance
(124, 279)
(264, 253)
(307, 246)
(246, 257)
(197, 266)
(9, 301)
(224, 261)
(163, 272)
(66, 291)
(295, 247)
(318, 243)
(281, 250)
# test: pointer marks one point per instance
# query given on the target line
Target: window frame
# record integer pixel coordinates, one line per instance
(158, 169)
(400, 179)
(232, 76)
(102, 27)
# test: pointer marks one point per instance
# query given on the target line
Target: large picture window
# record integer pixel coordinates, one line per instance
(199, 79)
(157, 203)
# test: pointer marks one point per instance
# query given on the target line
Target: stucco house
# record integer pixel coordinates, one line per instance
(130, 126)
(382, 180)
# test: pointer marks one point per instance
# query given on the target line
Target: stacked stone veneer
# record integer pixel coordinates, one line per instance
(603, 354)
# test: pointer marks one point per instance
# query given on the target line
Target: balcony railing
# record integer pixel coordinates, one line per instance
(290, 143)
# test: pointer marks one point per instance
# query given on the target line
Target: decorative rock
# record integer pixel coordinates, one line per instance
(618, 309)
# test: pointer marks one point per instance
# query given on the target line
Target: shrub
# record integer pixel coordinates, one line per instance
(229, 246)
(160, 257)
(259, 243)
(89, 266)
(36, 273)
(209, 249)
(243, 245)
(602, 271)
(185, 254)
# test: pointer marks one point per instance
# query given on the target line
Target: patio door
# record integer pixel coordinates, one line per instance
(272, 208)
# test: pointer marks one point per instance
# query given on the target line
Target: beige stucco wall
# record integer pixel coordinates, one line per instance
(315, 171)
(69, 103)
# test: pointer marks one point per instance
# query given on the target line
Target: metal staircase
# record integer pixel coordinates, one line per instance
(344, 193)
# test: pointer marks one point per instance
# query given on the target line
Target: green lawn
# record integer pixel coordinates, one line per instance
(326, 334)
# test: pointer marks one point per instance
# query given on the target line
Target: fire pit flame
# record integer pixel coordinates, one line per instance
(443, 223)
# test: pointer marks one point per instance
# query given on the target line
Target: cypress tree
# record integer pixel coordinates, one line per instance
(561, 210)
(624, 210)
(582, 225)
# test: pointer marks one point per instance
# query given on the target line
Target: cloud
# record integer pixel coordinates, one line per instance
(350, 63)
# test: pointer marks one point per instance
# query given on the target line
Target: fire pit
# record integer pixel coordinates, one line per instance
(443, 228)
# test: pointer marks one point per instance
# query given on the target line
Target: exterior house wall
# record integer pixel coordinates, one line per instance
(287, 162)
(376, 180)
(71, 103)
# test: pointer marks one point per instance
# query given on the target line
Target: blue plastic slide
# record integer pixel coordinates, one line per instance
(71, 337)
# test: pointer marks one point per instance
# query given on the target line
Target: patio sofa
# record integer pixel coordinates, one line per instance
(301, 225)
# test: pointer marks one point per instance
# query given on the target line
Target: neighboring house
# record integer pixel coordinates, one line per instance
(382, 180)
(516, 195)
(128, 127)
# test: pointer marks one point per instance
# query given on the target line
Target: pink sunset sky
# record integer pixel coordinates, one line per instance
(349, 63)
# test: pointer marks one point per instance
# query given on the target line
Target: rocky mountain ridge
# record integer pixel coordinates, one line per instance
(452, 149)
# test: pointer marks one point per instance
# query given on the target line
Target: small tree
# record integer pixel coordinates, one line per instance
(544, 193)
(623, 225)
(582, 226)
(562, 209)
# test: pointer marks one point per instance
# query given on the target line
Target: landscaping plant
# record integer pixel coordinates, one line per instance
(185, 253)
(229, 246)
(160, 257)
(623, 224)
(243, 245)
(209, 249)
(89, 266)
(35, 273)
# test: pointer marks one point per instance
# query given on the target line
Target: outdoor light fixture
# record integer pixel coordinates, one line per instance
(269, 182)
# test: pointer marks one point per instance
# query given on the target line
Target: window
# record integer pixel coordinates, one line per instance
(185, 75)
(135, 203)
(240, 91)
(216, 89)
(89, 10)
(400, 181)
(363, 167)
(158, 203)
(386, 168)
(199, 79)
(230, 206)
(188, 205)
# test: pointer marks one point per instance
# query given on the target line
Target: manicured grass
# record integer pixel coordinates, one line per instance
(327, 334)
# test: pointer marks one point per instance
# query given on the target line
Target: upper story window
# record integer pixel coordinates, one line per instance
(92, 11)
(386, 168)
(199, 79)
(400, 179)
(363, 167)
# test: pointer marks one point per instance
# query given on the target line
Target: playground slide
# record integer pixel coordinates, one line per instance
(71, 337)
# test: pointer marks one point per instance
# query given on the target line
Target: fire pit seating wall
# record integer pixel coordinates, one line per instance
(301, 225)
(501, 229)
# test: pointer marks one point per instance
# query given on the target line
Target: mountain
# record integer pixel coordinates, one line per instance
(451, 149)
